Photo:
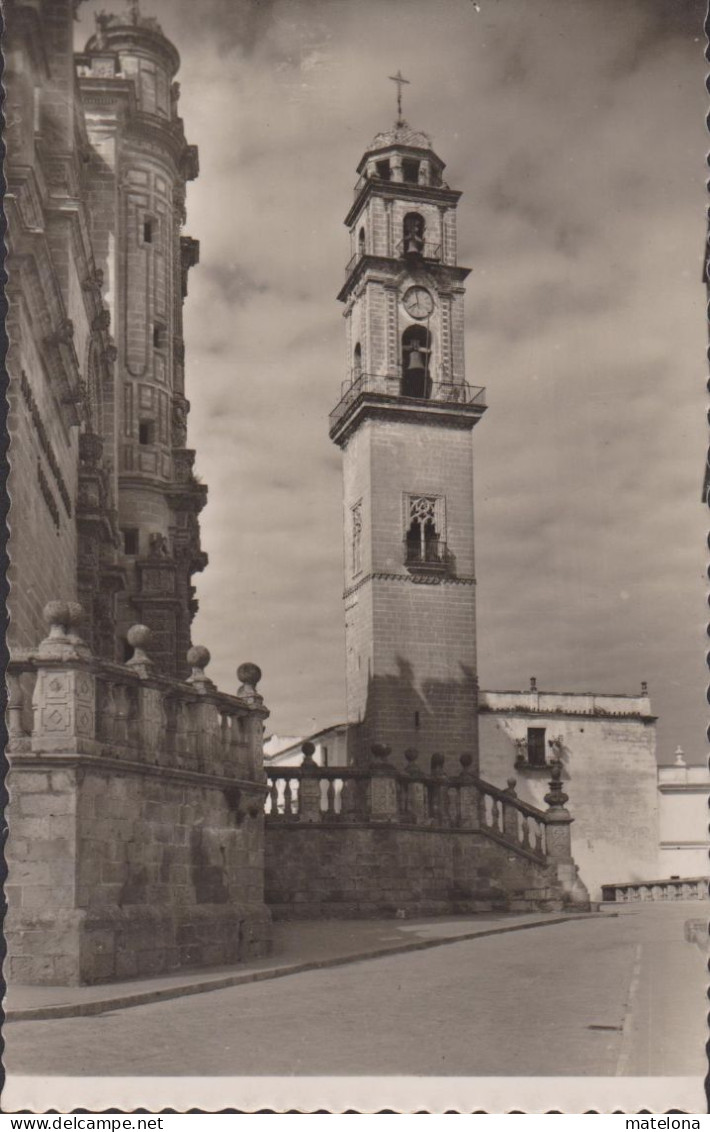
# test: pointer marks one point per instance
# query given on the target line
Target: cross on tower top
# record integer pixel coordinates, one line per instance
(400, 81)
(134, 10)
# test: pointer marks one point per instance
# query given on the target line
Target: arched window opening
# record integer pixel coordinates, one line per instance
(424, 542)
(361, 242)
(413, 234)
(416, 355)
(410, 170)
(384, 170)
(357, 361)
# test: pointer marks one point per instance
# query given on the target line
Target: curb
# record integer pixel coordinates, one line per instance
(221, 982)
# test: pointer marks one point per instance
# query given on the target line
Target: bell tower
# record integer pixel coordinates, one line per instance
(404, 424)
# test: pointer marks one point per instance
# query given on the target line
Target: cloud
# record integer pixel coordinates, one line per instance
(576, 131)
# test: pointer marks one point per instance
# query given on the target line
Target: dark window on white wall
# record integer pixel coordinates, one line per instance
(160, 336)
(384, 171)
(148, 231)
(410, 170)
(536, 746)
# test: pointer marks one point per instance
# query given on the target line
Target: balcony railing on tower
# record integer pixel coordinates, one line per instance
(390, 385)
(427, 250)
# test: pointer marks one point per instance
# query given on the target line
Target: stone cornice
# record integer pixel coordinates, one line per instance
(384, 407)
(390, 271)
(561, 713)
(418, 580)
(401, 190)
(40, 762)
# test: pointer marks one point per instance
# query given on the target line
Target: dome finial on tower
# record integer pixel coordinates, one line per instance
(134, 10)
(400, 80)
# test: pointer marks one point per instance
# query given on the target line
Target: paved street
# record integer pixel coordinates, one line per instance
(617, 995)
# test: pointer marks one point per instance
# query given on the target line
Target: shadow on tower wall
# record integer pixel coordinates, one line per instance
(431, 715)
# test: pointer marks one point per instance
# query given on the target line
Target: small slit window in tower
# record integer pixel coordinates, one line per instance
(536, 746)
(146, 432)
(160, 336)
(357, 361)
(361, 242)
(416, 719)
(357, 538)
(413, 234)
(324, 759)
(148, 231)
(410, 170)
(130, 540)
(384, 170)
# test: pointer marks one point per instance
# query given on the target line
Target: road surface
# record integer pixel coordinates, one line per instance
(619, 995)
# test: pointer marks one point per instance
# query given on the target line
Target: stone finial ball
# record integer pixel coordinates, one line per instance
(511, 782)
(249, 674)
(198, 656)
(411, 754)
(308, 749)
(381, 750)
(139, 636)
(466, 760)
(64, 613)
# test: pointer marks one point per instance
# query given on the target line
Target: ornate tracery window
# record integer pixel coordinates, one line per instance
(425, 542)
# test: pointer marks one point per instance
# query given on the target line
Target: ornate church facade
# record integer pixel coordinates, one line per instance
(104, 501)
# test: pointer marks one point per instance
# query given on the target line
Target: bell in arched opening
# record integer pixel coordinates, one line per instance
(413, 234)
(416, 354)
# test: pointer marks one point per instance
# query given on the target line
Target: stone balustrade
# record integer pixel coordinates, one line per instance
(680, 888)
(413, 797)
(87, 706)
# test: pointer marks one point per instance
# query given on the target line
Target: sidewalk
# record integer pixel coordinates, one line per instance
(298, 946)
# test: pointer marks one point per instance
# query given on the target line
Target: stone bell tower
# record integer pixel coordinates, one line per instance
(139, 165)
(404, 424)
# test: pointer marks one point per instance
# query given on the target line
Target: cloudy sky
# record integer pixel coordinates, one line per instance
(576, 130)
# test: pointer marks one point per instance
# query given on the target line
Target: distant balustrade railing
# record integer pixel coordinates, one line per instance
(425, 249)
(393, 385)
(679, 888)
(429, 552)
(380, 792)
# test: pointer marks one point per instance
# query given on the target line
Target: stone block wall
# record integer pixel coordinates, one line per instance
(136, 821)
(360, 871)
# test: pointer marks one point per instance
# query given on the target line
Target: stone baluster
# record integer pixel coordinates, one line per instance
(288, 798)
(416, 790)
(309, 786)
(557, 819)
(198, 657)
(558, 837)
(18, 739)
(250, 674)
(273, 795)
(145, 718)
(437, 790)
(204, 712)
(65, 690)
(469, 799)
(510, 814)
(382, 795)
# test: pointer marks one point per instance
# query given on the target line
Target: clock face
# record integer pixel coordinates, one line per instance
(418, 302)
